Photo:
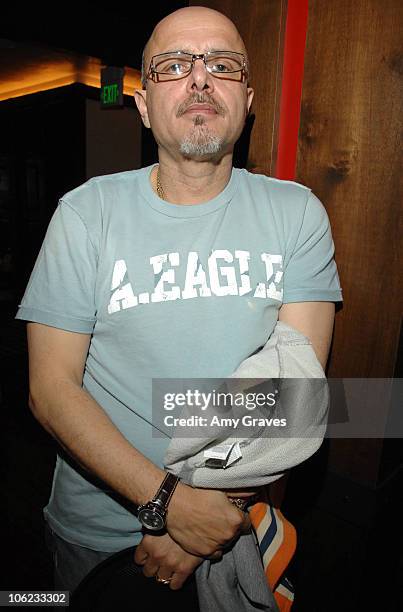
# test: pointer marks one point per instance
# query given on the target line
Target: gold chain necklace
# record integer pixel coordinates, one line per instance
(160, 189)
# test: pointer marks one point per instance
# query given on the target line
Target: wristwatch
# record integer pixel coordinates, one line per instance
(152, 515)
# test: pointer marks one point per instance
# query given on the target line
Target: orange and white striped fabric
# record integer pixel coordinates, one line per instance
(277, 540)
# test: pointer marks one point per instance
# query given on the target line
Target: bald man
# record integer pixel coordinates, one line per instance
(177, 270)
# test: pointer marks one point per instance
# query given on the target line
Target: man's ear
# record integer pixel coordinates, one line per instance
(249, 97)
(140, 97)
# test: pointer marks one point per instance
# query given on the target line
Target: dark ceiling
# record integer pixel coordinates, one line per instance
(114, 31)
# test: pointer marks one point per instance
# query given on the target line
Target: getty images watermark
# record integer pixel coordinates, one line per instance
(242, 408)
(212, 400)
(336, 408)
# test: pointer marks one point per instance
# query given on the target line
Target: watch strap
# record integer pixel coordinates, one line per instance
(166, 490)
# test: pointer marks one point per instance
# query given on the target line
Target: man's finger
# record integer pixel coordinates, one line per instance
(246, 524)
(150, 570)
(216, 555)
(177, 581)
(140, 556)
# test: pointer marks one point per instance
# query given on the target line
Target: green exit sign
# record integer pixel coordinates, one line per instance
(112, 87)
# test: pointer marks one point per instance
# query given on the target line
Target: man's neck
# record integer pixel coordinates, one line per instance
(191, 182)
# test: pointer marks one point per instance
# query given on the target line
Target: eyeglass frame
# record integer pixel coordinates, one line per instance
(195, 56)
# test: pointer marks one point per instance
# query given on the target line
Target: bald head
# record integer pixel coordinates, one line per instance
(189, 28)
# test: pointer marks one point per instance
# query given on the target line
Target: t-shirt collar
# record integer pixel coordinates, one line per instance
(185, 210)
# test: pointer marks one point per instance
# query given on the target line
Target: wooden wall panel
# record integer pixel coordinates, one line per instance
(349, 154)
(261, 25)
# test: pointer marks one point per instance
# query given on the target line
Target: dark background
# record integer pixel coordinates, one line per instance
(116, 32)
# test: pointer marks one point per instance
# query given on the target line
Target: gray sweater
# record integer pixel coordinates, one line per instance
(288, 367)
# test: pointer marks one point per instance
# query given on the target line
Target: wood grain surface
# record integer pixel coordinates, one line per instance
(350, 154)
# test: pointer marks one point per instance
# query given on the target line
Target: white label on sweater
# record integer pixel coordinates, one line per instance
(234, 455)
(221, 451)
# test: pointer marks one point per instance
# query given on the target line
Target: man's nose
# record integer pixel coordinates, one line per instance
(200, 77)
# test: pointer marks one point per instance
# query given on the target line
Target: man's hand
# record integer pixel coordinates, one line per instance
(203, 521)
(242, 493)
(163, 556)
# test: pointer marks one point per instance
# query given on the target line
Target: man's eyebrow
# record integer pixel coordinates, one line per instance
(191, 52)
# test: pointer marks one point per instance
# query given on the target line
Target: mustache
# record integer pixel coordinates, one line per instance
(200, 98)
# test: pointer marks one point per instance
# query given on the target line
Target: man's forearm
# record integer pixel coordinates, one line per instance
(200, 521)
(314, 320)
(82, 427)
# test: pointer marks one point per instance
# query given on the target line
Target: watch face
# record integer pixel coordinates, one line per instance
(151, 519)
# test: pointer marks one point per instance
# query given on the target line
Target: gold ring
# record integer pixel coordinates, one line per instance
(162, 580)
(239, 502)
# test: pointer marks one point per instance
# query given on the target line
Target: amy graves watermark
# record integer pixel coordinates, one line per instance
(211, 404)
(194, 412)
(237, 407)
(335, 408)
(224, 422)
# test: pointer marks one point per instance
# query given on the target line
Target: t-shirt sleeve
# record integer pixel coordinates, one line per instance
(311, 272)
(61, 289)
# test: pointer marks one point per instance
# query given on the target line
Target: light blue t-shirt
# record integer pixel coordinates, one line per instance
(167, 291)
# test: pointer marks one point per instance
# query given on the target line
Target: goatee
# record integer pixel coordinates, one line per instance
(200, 142)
